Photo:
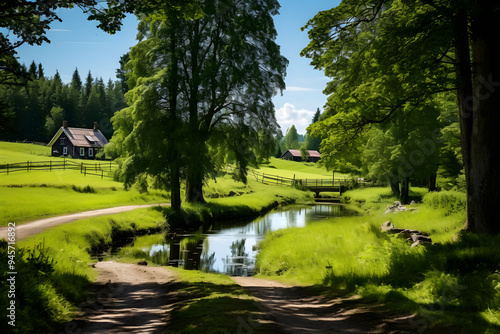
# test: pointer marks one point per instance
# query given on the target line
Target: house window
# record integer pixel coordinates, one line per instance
(63, 141)
(82, 151)
(65, 150)
(91, 152)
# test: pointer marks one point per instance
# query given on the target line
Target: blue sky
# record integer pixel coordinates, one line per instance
(76, 42)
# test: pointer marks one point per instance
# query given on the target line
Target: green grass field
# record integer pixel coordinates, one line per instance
(29, 195)
(18, 152)
(301, 170)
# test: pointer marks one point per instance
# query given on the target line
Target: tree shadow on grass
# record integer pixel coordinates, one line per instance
(210, 308)
(458, 278)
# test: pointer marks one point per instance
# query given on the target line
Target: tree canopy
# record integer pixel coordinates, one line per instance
(388, 57)
(197, 83)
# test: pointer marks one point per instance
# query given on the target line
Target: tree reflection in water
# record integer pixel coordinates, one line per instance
(239, 263)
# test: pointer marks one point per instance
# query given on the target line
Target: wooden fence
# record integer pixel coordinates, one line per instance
(102, 168)
(312, 184)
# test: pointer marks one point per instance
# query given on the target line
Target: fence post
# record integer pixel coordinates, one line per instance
(64, 164)
(7, 169)
(102, 174)
(84, 171)
(50, 166)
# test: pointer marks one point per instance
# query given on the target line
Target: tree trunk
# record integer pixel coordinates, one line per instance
(405, 191)
(395, 187)
(194, 190)
(172, 136)
(175, 188)
(484, 177)
(196, 140)
(431, 185)
(464, 98)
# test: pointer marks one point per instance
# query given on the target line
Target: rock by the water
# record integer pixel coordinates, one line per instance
(397, 207)
(414, 236)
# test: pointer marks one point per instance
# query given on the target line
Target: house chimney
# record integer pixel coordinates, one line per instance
(65, 124)
(96, 127)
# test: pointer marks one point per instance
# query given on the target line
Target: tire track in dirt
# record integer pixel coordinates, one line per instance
(129, 298)
(299, 312)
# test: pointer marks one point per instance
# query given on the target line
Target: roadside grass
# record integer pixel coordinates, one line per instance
(53, 266)
(453, 285)
(213, 303)
(28, 203)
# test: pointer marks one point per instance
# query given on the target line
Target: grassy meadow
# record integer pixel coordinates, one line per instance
(301, 170)
(38, 194)
(453, 285)
(55, 264)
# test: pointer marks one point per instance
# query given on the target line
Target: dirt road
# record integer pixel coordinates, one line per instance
(37, 226)
(298, 312)
(129, 299)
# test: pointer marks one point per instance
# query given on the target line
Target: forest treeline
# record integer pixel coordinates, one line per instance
(36, 106)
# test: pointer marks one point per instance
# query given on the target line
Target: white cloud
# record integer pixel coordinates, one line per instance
(289, 115)
(299, 89)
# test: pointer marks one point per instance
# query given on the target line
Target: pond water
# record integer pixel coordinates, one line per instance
(232, 249)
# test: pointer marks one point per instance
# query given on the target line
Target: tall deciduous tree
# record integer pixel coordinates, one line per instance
(291, 139)
(201, 75)
(383, 54)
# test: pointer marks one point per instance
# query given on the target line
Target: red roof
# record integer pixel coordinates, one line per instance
(82, 137)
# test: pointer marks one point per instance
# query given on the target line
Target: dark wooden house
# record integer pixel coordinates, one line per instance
(294, 155)
(77, 142)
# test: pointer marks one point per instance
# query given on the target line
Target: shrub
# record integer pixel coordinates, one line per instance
(450, 201)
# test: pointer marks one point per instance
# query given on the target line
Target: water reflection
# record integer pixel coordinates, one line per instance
(233, 249)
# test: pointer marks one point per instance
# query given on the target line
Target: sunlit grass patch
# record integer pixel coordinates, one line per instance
(19, 152)
(301, 170)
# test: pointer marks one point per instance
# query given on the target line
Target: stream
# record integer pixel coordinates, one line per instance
(232, 248)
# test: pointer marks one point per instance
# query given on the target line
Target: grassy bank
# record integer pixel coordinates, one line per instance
(453, 285)
(228, 200)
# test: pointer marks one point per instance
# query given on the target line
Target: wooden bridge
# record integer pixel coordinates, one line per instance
(323, 185)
